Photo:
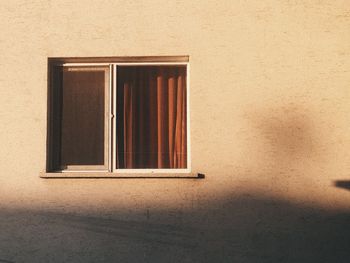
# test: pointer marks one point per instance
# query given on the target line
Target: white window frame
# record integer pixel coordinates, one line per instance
(113, 171)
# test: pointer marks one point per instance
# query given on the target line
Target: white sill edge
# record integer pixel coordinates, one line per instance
(102, 174)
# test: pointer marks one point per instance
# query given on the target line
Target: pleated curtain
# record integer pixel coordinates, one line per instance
(151, 117)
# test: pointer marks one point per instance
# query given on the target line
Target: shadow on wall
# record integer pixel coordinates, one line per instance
(287, 133)
(345, 184)
(246, 228)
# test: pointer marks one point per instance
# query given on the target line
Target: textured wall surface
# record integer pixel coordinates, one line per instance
(270, 128)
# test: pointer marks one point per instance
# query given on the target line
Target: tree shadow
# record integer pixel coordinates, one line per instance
(249, 227)
(246, 228)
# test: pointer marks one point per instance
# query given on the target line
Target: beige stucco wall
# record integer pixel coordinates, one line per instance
(269, 100)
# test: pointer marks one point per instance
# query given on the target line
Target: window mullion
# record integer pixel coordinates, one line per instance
(114, 118)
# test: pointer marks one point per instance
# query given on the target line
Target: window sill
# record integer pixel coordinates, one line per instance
(56, 175)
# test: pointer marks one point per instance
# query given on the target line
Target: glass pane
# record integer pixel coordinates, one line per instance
(83, 116)
(151, 117)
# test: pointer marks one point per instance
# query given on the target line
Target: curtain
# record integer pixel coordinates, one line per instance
(151, 117)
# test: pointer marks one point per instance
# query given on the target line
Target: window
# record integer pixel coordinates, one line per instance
(118, 115)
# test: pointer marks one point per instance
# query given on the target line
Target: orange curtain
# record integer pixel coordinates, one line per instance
(151, 117)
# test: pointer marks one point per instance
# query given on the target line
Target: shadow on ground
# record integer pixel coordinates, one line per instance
(244, 228)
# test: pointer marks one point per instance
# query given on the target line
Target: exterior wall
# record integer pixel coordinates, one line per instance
(269, 129)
